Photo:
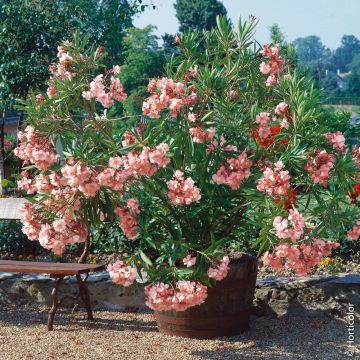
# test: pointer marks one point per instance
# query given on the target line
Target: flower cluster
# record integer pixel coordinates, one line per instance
(8, 144)
(53, 235)
(275, 181)
(161, 297)
(273, 65)
(337, 140)
(221, 146)
(220, 271)
(354, 233)
(200, 134)
(34, 148)
(80, 177)
(60, 233)
(62, 70)
(300, 258)
(189, 261)
(234, 172)
(128, 218)
(283, 229)
(182, 191)
(319, 166)
(98, 90)
(122, 274)
(165, 93)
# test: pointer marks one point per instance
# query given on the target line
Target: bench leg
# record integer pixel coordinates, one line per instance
(85, 296)
(55, 303)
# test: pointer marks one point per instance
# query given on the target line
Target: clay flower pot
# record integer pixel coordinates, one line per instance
(225, 312)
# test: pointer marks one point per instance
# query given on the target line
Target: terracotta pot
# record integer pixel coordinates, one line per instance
(225, 312)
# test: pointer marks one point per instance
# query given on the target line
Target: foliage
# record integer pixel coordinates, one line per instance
(13, 241)
(143, 60)
(225, 154)
(354, 84)
(344, 54)
(198, 14)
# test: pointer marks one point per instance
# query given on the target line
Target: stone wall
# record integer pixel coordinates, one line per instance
(279, 296)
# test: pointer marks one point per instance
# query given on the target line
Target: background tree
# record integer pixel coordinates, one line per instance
(330, 85)
(354, 84)
(144, 59)
(314, 55)
(198, 14)
(343, 56)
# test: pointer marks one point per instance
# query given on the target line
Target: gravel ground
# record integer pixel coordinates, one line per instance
(131, 336)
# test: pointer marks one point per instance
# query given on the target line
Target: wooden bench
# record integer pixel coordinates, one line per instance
(9, 210)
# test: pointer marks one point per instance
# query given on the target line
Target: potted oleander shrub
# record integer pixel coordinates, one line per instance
(228, 142)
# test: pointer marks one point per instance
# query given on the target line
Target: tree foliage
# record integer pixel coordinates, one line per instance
(198, 14)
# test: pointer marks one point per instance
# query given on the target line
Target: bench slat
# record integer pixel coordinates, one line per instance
(47, 267)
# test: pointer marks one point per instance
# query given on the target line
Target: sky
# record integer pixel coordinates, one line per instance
(328, 19)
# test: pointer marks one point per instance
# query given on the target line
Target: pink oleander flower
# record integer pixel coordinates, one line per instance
(234, 172)
(222, 147)
(275, 181)
(282, 109)
(116, 69)
(165, 93)
(35, 148)
(122, 274)
(192, 72)
(299, 258)
(220, 272)
(115, 162)
(319, 166)
(354, 233)
(39, 98)
(291, 228)
(273, 65)
(233, 94)
(160, 297)
(64, 233)
(80, 177)
(192, 117)
(182, 191)
(98, 91)
(338, 141)
(30, 219)
(138, 164)
(263, 130)
(27, 185)
(51, 91)
(200, 134)
(189, 261)
(158, 155)
(128, 218)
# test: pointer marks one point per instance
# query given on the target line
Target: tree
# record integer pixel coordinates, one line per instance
(198, 14)
(144, 59)
(311, 50)
(354, 84)
(350, 46)
(355, 63)
(330, 85)
(276, 35)
(313, 55)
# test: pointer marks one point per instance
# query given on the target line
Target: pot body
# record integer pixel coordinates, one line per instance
(225, 312)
